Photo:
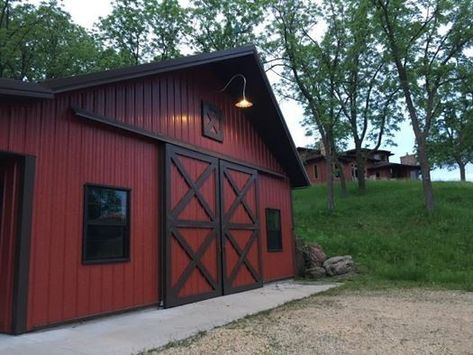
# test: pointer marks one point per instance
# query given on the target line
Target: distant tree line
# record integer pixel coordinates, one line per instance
(357, 67)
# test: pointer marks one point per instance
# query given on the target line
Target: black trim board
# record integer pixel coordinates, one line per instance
(23, 246)
(159, 137)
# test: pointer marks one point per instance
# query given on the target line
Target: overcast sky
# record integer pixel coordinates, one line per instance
(86, 13)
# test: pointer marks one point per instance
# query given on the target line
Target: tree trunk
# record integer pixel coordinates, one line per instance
(329, 169)
(426, 180)
(416, 124)
(462, 172)
(360, 166)
(343, 181)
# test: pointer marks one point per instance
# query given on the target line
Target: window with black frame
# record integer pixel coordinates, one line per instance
(106, 224)
(273, 229)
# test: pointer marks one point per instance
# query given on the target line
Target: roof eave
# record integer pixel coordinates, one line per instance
(134, 72)
(33, 94)
(305, 178)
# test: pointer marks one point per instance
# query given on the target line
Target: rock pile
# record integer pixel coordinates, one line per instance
(312, 262)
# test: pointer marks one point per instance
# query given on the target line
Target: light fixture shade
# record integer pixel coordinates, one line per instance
(244, 103)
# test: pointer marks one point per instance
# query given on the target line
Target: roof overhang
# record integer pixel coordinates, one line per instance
(23, 90)
(394, 165)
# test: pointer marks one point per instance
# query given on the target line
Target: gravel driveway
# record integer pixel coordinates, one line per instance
(362, 322)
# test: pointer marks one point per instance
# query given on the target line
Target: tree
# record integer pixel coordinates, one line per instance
(168, 24)
(42, 42)
(365, 89)
(423, 39)
(451, 141)
(126, 30)
(222, 24)
(309, 70)
(144, 30)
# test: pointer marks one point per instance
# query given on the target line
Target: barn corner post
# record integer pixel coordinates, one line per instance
(23, 246)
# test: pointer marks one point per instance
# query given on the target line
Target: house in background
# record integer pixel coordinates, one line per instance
(378, 166)
(142, 186)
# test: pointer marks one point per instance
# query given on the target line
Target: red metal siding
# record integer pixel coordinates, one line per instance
(9, 189)
(170, 104)
(69, 154)
(276, 193)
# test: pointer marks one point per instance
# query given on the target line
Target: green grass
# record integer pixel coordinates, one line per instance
(391, 237)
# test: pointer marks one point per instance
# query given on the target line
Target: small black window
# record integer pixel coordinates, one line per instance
(316, 172)
(106, 224)
(273, 229)
(336, 171)
(354, 171)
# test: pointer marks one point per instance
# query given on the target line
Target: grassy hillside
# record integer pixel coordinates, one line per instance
(391, 237)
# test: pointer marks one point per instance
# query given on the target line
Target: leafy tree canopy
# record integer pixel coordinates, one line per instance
(42, 42)
(144, 30)
(221, 24)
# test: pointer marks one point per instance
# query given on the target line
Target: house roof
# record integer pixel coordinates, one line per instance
(382, 165)
(353, 151)
(265, 115)
(309, 154)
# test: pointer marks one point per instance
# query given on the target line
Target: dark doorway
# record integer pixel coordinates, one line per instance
(9, 180)
(16, 196)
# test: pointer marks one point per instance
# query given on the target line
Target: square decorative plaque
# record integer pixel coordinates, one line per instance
(212, 121)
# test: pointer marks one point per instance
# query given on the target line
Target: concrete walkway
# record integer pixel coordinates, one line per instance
(148, 329)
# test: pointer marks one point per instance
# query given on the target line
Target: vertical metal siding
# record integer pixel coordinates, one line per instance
(70, 154)
(170, 104)
(276, 193)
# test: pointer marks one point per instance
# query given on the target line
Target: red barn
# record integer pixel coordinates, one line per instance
(141, 186)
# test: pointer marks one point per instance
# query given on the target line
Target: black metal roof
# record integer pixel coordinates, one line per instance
(137, 71)
(22, 89)
(265, 115)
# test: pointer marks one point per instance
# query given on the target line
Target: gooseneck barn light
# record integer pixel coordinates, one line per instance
(243, 103)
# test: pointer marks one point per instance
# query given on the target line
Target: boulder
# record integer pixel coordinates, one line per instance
(339, 265)
(316, 272)
(315, 256)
